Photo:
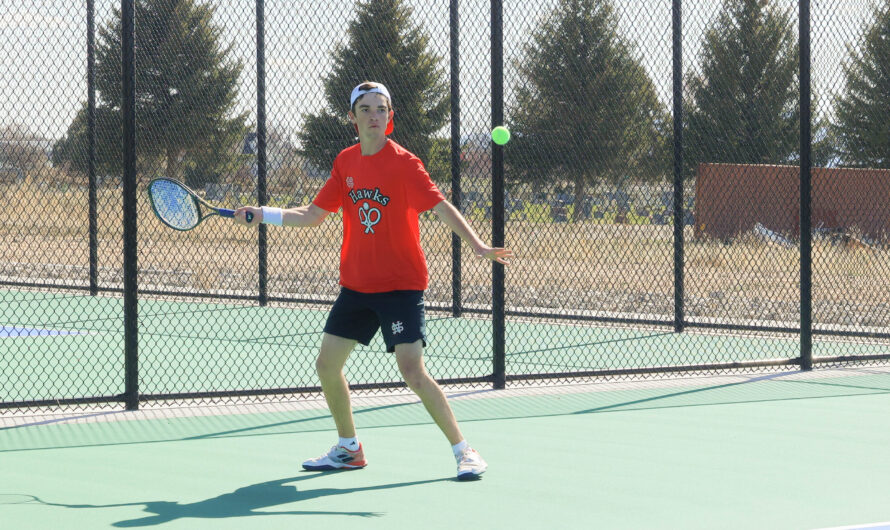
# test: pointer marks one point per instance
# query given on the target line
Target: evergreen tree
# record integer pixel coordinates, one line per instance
(862, 126)
(586, 110)
(386, 47)
(742, 105)
(186, 85)
(73, 148)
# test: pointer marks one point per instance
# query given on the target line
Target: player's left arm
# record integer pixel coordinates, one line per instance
(459, 225)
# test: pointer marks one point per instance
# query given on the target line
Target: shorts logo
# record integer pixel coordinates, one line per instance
(397, 327)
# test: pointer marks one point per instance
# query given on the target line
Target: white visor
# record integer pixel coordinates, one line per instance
(376, 89)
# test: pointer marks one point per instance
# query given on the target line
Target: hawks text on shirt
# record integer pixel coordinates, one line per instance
(374, 195)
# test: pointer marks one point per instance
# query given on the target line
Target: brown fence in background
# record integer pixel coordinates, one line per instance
(731, 199)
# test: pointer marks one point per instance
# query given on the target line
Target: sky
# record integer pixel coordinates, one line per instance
(43, 50)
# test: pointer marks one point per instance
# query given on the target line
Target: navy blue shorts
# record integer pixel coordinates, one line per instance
(398, 314)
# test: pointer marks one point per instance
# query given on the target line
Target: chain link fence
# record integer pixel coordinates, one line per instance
(646, 244)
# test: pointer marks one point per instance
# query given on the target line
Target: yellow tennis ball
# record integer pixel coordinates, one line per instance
(500, 135)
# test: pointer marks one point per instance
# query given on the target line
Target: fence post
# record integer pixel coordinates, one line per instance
(497, 193)
(679, 316)
(806, 234)
(456, 299)
(128, 106)
(262, 194)
(91, 153)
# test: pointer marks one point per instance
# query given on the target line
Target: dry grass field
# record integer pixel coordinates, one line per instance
(560, 267)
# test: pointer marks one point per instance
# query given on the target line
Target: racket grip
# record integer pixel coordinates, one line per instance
(225, 212)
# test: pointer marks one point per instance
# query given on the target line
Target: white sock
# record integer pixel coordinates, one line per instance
(349, 443)
(460, 447)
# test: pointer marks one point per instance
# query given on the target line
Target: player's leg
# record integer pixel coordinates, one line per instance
(410, 360)
(329, 366)
(403, 323)
(349, 322)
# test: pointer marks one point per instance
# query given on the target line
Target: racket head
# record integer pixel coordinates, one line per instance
(16, 498)
(174, 204)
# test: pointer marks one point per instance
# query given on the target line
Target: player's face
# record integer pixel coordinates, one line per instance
(371, 115)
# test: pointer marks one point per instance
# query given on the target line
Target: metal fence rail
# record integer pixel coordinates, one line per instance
(690, 187)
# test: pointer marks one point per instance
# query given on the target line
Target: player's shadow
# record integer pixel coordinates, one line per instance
(243, 502)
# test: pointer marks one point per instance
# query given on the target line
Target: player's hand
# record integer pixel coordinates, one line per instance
(241, 216)
(498, 254)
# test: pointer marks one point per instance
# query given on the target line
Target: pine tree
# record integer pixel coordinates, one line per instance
(862, 126)
(742, 105)
(386, 47)
(186, 85)
(586, 110)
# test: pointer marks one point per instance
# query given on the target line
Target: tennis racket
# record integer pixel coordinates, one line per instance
(180, 208)
(15, 498)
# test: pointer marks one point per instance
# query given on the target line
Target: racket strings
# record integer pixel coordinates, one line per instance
(174, 205)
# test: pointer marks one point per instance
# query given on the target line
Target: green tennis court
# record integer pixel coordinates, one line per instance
(67, 345)
(70, 345)
(785, 450)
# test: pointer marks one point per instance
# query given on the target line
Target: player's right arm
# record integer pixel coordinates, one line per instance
(308, 215)
(311, 214)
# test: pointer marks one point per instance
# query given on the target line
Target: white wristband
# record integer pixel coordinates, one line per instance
(273, 216)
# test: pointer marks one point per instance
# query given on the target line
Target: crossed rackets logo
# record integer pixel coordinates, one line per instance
(368, 217)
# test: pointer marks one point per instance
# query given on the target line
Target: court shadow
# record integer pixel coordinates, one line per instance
(670, 395)
(243, 502)
(709, 395)
(323, 416)
(63, 419)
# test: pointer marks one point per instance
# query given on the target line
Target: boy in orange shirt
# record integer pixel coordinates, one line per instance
(382, 188)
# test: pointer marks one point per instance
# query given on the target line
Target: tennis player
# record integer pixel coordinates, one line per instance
(382, 188)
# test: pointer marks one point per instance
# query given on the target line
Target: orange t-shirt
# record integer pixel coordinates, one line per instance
(381, 196)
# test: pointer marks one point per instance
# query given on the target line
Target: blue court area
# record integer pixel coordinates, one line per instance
(11, 332)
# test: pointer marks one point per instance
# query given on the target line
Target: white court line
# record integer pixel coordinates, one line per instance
(879, 526)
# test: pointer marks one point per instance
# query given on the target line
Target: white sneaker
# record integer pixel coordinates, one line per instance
(338, 457)
(470, 465)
